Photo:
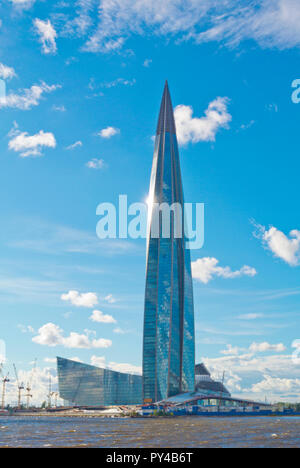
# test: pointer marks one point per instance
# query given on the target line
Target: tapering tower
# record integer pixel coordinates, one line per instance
(169, 339)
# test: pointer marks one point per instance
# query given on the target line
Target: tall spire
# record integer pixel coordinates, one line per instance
(166, 121)
(169, 337)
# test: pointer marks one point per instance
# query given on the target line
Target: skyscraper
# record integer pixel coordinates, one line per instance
(169, 340)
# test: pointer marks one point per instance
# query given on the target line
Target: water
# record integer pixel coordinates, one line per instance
(182, 432)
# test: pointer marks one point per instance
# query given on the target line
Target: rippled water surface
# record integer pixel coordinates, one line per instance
(159, 433)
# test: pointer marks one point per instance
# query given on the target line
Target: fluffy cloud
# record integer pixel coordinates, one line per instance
(98, 361)
(26, 98)
(285, 247)
(205, 269)
(52, 335)
(95, 164)
(275, 385)
(254, 348)
(108, 132)
(30, 145)
(194, 129)
(110, 299)
(263, 347)
(125, 368)
(81, 300)
(118, 367)
(231, 350)
(47, 35)
(6, 72)
(100, 317)
(26, 328)
(250, 373)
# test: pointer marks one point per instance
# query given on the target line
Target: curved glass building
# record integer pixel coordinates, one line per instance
(169, 343)
(84, 385)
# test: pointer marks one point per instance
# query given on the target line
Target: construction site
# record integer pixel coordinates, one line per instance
(24, 393)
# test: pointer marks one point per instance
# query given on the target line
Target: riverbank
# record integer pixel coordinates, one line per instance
(112, 413)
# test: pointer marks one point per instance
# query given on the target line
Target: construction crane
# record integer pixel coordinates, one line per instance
(29, 384)
(5, 380)
(20, 387)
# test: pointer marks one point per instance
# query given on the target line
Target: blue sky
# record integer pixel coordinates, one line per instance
(83, 94)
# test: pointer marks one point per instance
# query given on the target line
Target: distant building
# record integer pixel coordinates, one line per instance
(205, 384)
(169, 338)
(84, 385)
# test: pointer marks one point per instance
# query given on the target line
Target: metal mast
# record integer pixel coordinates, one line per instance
(20, 387)
(29, 384)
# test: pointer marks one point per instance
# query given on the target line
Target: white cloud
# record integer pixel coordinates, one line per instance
(245, 372)
(205, 269)
(270, 23)
(47, 35)
(59, 108)
(98, 361)
(23, 3)
(147, 63)
(285, 247)
(7, 73)
(52, 335)
(101, 343)
(50, 360)
(26, 328)
(117, 367)
(118, 81)
(100, 317)
(125, 368)
(95, 163)
(110, 299)
(27, 98)
(250, 316)
(119, 331)
(75, 145)
(108, 132)
(81, 300)
(30, 145)
(231, 350)
(194, 129)
(265, 346)
(275, 385)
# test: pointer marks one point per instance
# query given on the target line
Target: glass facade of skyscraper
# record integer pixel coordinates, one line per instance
(169, 343)
(84, 385)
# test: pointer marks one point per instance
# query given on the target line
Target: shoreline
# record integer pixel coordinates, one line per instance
(112, 415)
